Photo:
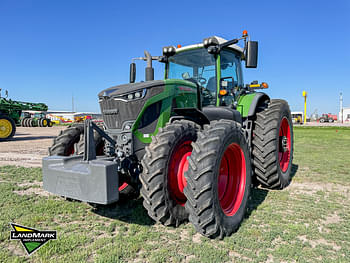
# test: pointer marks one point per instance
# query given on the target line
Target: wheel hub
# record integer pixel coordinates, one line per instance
(284, 143)
(5, 128)
(284, 147)
(231, 180)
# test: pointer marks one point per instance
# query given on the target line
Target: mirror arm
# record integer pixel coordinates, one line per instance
(228, 43)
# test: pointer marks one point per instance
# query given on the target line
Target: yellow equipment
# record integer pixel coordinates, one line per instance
(304, 95)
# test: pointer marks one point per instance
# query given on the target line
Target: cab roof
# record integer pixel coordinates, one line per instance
(219, 39)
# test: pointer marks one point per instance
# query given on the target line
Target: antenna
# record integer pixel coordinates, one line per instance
(341, 107)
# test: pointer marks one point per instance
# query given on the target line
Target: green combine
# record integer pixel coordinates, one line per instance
(192, 144)
(10, 115)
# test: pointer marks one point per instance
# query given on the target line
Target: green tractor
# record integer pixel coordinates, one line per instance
(37, 119)
(10, 115)
(192, 144)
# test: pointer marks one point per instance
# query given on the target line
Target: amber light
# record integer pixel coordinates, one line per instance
(223, 92)
(178, 46)
(264, 85)
(245, 33)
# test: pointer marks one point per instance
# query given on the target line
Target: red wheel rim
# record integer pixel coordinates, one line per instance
(70, 150)
(284, 145)
(178, 165)
(232, 179)
(122, 186)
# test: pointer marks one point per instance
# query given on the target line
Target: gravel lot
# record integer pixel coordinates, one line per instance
(28, 146)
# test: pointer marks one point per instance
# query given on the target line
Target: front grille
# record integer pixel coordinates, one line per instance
(116, 112)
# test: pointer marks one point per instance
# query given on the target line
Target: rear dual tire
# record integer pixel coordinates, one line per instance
(26, 122)
(272, 145)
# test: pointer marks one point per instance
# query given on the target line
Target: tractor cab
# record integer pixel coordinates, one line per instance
(219, 75)
(214, 65)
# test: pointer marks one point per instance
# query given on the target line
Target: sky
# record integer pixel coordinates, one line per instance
(53, 50)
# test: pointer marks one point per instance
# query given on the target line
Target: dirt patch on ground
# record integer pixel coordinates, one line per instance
(16, 249)
(32, 190)
(197, 238)
(321, 241)
(310, 188)
(28, 146)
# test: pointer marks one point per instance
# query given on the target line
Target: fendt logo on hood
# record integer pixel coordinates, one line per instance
(31, 239)
(111, 112)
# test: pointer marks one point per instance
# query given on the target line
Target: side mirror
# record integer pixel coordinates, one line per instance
(132, 72)
(251, 55)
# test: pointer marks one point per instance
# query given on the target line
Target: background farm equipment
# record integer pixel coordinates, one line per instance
(328, 118)
(298, 117)
(81, 118)
(35, 119)
(192, 144)
(10, 114)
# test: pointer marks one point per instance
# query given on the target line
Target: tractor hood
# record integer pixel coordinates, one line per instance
(129, 88)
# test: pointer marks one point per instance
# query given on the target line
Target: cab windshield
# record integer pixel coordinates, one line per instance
(198, 66)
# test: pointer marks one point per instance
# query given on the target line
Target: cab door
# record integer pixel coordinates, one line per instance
(230, 76)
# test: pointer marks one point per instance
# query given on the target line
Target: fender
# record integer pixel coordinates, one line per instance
(248, 103)
(191, 114)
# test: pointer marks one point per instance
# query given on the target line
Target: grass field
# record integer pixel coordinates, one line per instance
(307, 222)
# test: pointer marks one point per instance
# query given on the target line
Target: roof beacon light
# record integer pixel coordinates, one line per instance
(179, 46)
(245, 33)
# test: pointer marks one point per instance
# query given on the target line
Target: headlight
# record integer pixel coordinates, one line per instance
(132, 96)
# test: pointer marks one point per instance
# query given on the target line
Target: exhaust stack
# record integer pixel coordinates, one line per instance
(149, 70)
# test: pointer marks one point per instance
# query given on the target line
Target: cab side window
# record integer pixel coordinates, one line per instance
(230, 68)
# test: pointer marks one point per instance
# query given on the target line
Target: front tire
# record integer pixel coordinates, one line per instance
(218, 179)
(272, 145)
(65, 144)
(164, 164)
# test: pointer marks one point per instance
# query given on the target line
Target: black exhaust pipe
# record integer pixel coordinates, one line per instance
(149, 70)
